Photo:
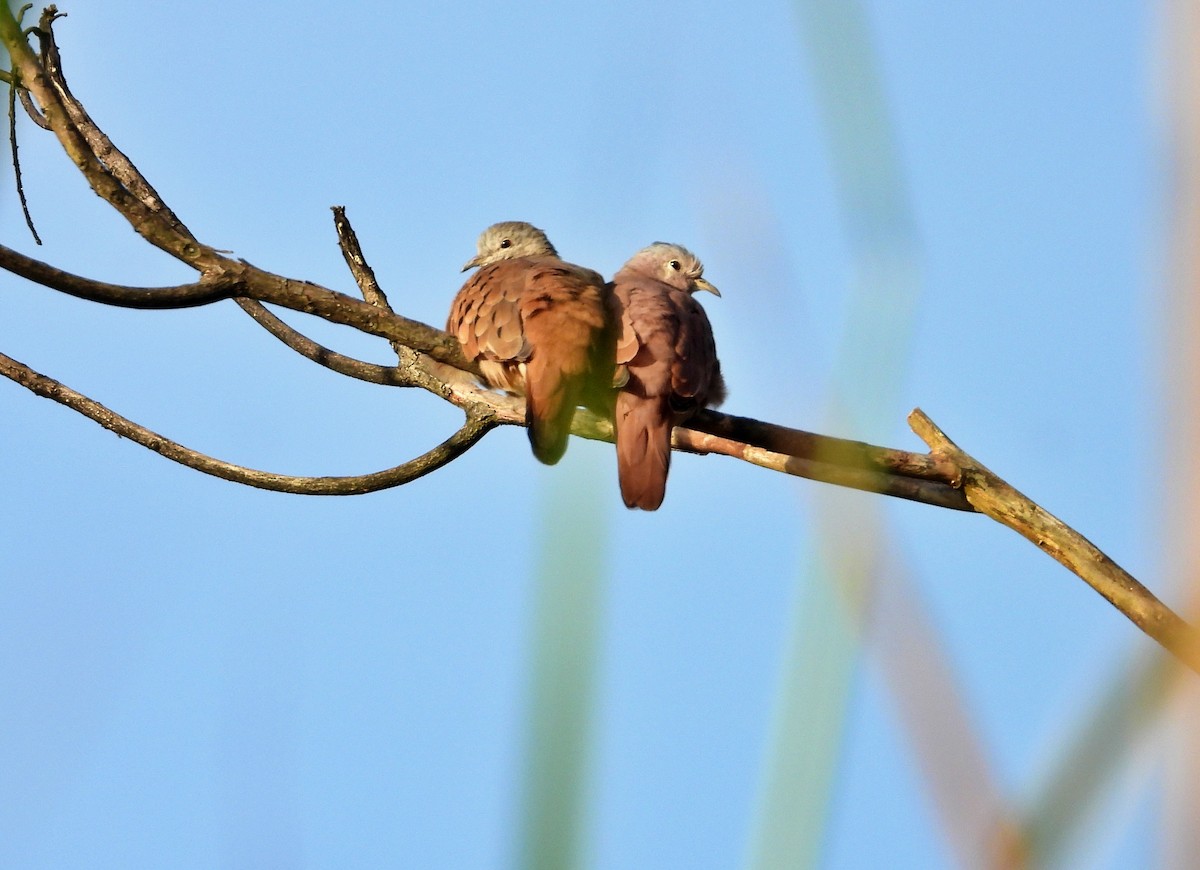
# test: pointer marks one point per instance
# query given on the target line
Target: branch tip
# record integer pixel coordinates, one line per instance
(928, 431)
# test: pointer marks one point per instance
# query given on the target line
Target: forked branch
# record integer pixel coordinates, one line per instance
(992, 496)
(433, 361)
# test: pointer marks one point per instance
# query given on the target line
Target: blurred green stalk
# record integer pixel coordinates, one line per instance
(836, 586)
(1104, 745)
(566, 628)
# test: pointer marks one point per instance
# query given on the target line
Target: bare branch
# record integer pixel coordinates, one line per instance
(990, 495)
(899, 473)
(855, 457)
(476, 426)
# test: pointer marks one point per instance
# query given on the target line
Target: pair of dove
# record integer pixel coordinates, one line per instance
(638, 350)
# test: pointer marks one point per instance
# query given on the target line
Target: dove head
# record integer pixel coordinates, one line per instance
(674, 265)
(509, 240)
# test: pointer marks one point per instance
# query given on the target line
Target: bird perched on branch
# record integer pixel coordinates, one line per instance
(538, 327)
(665, 345)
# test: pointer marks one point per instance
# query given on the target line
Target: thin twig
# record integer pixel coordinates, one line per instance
(12, 140)
(368, 285)
(352, 252)
(504, 410)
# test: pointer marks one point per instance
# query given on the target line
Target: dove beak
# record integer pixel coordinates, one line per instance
(471, 263)
(701, 284)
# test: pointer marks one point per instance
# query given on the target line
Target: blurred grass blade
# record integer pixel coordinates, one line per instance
(1181, 378)
(1105, 744)
(973, 813)
(1150, 687)
(566, 629)
(799, 771)
(837, 584)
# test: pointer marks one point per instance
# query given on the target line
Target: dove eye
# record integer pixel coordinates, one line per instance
(674, 264)
(505, 243)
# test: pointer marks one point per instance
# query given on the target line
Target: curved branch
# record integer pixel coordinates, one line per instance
(476, 426)
(30, 109)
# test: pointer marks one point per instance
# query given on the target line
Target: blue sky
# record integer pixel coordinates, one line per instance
(237, 678)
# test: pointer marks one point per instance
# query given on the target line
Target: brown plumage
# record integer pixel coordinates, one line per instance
(537, 326)
(666, 348)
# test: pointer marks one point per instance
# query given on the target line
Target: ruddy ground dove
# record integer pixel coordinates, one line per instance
(666, 345)
(538, 326)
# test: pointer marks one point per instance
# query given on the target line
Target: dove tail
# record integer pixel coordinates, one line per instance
(643, 449)
(551, 396)
(563, 324)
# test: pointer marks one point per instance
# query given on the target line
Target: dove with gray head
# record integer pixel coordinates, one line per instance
(537, 326)
(668, 360)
